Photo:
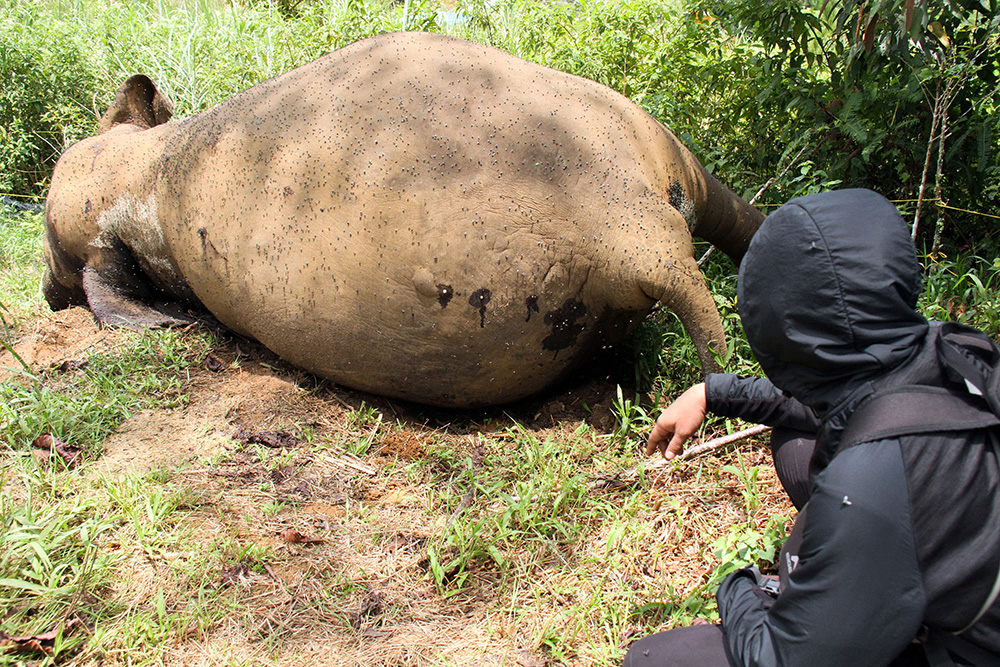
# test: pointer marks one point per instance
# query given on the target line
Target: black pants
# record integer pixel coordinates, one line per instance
(704, 645)
(694, 646)
(792, 451)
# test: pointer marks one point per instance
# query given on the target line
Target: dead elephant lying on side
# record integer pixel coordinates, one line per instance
(413, 215)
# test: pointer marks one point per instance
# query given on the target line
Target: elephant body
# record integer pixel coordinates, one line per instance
(413, 215)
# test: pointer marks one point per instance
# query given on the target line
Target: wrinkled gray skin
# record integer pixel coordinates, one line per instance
(416, 216)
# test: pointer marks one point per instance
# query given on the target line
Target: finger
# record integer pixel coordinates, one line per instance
(657, 437)
(654, 441)
(676, 446)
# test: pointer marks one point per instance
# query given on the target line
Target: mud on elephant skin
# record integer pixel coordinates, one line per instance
(413, 215)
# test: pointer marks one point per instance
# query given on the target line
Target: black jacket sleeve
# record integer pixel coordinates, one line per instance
(855, 596)
(757, 400)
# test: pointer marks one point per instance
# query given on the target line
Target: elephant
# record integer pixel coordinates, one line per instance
(413, 215)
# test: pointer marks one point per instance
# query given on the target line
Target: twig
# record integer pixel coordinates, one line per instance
(935, 120)
(774, 178)
(337, 399)
(939, 223)
(632, 474)
(356, 465)
(715, 443)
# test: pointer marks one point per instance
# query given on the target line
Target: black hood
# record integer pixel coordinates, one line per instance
(827, 294)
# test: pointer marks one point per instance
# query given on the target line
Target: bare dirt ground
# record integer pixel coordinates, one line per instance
(261, 451)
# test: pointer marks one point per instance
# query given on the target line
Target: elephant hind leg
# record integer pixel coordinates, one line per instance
(682, 288)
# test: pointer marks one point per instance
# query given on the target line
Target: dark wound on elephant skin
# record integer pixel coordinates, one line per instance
(564, 325)
(445, 293)
(532, 303)
(479, 299)
(206, 243)
(677, 196)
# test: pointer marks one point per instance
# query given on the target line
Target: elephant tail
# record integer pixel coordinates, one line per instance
(725, 220)
(683, 290)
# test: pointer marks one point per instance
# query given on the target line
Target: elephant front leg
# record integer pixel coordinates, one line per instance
(119, 294)
(58, 296)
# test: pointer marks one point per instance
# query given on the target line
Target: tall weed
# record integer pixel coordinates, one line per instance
(964, 288)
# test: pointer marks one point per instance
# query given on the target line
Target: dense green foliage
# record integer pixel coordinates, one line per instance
(43, 101)
(768, 94)
(772, 94)
(886, 95)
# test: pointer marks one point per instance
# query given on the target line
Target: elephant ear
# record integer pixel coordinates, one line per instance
(139, 103)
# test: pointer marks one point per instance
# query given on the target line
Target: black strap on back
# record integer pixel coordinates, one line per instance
(913, 410)
(972, 362)
(970, 357)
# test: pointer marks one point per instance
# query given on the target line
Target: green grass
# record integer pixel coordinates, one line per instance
(83, 406)
(51, 565)
(965, 289)
(64, 548)
(517, 524)
(20, 264)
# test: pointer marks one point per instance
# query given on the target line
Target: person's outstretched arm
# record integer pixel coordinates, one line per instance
(752, 399)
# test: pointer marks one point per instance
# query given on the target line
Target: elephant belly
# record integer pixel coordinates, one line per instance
(410, 311)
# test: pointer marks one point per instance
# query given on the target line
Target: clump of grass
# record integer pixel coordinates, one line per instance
(964, 288)
(515, 505)
(83, 406)
(68, 550)
(51, 567)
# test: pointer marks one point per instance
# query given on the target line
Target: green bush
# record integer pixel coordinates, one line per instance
(44, 104)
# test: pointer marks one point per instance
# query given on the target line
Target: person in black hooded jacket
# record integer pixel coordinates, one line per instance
(895, 556)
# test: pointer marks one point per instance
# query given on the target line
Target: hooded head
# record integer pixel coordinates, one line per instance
(827, 294)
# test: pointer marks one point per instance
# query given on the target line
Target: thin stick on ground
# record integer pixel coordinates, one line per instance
(716, 443)
(632, 474)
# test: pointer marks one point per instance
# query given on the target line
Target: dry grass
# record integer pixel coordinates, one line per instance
(205, 498)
